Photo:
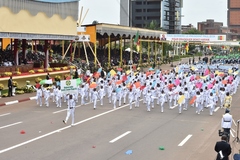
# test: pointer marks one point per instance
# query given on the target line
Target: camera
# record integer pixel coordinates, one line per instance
(221, 133)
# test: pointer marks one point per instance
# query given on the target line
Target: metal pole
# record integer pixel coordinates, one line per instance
(120, 51)
(109, 51)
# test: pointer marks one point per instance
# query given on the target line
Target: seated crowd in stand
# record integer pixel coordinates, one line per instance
(7, 56)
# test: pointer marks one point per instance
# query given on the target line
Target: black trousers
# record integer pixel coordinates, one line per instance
(9, 91)
(227, 130)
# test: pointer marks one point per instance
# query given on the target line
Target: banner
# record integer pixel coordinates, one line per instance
(193, 37)
(69, 86)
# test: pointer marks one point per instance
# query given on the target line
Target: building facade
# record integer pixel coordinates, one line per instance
(186, 28)
(171, 16)
(233, 18)
(210, 27)
(140, 13)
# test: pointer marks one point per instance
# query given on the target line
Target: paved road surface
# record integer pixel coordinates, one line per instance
(47, 138)
(107, 134)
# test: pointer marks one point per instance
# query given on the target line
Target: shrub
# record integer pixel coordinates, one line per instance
(64, 68)
(28, 89)
(37, 80)
(31, 71)
(18, 73)
(19, 92)
(57, 69)
(7, 73)
(49, 69)
(15, 84)
(1, 86)
(40, 70)
(57, 78)
(72, 67)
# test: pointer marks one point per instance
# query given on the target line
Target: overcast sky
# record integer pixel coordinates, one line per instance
(193, 11)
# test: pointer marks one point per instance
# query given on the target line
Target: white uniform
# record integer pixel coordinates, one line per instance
(149, 100)
(82, 93)
(114, 99)
(130, 98)
(59, 98)
(94, 98)
(198, 103)
(162, 98)
(70, 110)
(101, 94)
(187, 97)
(39, 97)
(227, 120)
(211, 103)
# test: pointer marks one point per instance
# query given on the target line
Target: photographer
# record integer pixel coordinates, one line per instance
(227, 123)
(223, 149)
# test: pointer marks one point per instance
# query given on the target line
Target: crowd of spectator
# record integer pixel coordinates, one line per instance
(37, 55)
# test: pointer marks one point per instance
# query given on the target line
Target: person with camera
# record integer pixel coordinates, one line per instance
(227, 123)
(223, 149)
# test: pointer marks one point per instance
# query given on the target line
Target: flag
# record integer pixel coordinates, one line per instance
(207, 71)
(180, 100)
(187, 47)
(137, 41)
(209, 47)
(220, 38)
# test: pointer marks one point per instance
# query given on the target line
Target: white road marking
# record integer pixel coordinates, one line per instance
(61, 129)
(10, 125)
(4, 114)
(216, 109)
(234, 123)
(12, 102)
(233, 130)
(232, 134)
(185, 140)
(119, 137)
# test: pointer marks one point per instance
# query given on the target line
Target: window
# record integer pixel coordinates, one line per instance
(153, 3)
(138, 10)
(138, 18)
(153, 10)
(138, 3)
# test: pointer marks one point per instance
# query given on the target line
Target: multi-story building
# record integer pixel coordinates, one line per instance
(210, 27)
(140, 13)
(171, 15)
(186, 28)
(233, 18)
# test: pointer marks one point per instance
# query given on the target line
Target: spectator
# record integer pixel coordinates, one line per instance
(48, 76)
(223, 149)
(10, 85)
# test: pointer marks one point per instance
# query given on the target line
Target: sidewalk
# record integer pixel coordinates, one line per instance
(31, 96)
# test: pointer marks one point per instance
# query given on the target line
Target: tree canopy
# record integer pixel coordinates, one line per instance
(193, 31)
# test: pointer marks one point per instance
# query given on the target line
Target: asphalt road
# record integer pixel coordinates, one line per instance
(107, 134)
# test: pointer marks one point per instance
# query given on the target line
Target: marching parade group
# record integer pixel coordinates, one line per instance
(199, 87)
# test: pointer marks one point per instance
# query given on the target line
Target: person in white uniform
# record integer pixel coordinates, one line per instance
(227, 122)
(70, 110)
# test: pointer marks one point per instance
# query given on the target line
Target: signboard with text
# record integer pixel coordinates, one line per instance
(69, 86)
(193, 37)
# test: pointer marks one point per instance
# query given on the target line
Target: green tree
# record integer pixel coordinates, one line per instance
(193, 31)
(95, 22)
(153, 25)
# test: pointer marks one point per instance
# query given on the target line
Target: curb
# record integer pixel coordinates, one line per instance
(17, 101)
